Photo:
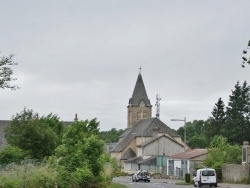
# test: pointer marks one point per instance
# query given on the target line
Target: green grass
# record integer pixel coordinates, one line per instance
(183, 183)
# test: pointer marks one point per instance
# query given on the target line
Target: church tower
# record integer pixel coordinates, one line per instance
(139, 106)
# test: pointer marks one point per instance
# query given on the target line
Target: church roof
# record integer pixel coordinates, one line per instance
(126, 132)
(139, 93)
(145, 128)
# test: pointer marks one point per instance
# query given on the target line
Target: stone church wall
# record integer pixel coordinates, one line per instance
(163, 145)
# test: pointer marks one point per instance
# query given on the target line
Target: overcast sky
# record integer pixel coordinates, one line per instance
(83, 56)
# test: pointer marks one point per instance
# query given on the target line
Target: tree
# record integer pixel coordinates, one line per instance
(81, 146)
(217, 121)
(237, 125)
(195, 136)
(111, 136)
(246, 55)
(220, 151)
(81, 151)
(6, 72)
(37, 136)
(197, 141)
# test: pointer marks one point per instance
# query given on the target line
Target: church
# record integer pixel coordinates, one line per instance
(147, 142)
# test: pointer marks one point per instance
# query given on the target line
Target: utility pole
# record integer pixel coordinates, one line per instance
(185, 160)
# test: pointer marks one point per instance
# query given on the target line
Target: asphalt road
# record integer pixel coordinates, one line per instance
(167, 183)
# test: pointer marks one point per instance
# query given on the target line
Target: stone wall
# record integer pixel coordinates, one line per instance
(235, 172)
(161, 146)
(3, 125)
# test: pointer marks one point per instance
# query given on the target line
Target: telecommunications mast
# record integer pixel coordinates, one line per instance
(158, 106)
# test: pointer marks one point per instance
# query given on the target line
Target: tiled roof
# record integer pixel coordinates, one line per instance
(127, 131)
(137, 160)
(146, 128)
(139, 93)
(189, 154)
(128, 154)
(140, 160)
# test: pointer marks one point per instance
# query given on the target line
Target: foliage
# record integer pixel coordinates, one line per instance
(237, 127)
(111, 136)
(6, 72)
(197, 141)
(245, 55)
(81, 152)
(37, 136)
(195, 134)
(220, 151)
(28, 175)
(11, 154)
(232, 121)
(187, 178)
(217, 121)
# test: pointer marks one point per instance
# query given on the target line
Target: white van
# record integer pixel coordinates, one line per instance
(205, 176)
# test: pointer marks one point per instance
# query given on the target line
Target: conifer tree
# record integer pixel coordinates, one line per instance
(237, 127)
(216, 122)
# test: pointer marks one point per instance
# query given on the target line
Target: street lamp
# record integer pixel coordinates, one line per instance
(184, 126)
(185, 166)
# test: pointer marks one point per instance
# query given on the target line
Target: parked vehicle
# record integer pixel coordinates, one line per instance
(141, 176)
(205, 176)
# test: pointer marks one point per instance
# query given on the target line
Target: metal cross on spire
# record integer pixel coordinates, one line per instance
(140, 69)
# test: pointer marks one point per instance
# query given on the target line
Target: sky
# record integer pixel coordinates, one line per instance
(83, 56)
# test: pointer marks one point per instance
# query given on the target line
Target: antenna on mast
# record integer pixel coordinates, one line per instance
(158, 106)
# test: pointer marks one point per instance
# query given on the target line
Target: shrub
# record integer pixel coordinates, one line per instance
(11, 154)
(187, 178)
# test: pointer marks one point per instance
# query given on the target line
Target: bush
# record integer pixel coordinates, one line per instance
(187, 178)
(11, 154)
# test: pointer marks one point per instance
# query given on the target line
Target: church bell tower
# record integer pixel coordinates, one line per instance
(139, 106)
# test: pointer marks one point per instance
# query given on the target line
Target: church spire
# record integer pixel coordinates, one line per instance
(139, 95)
(139, 106)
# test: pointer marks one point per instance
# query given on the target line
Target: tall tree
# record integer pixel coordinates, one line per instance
(37, 136)
(216, 122)
(6, 72)
(237, 126)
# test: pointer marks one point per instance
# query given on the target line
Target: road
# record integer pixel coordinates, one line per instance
(155, 183)
(167, 183)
